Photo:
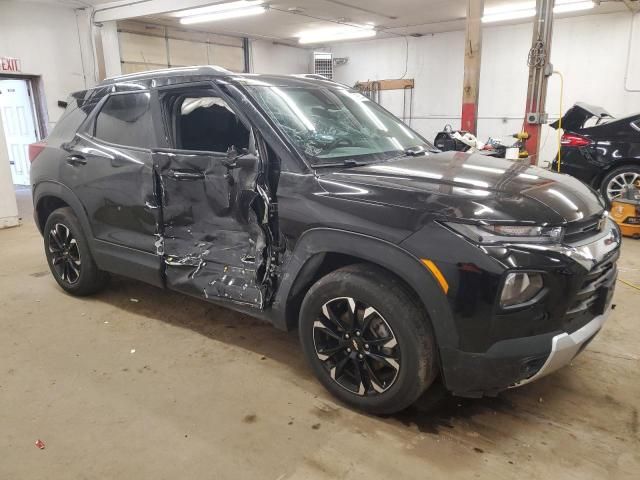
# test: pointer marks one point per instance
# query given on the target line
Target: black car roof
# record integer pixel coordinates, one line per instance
(171, 76)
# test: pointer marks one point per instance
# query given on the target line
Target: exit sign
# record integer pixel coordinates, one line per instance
(8, 64)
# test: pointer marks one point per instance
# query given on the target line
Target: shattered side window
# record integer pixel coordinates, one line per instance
(207, 123)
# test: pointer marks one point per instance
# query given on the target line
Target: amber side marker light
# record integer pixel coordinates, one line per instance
(435, 271)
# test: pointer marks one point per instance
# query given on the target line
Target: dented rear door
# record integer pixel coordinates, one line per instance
(210, 233)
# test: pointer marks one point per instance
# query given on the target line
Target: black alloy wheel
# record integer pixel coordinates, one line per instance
(368, 338)
(65, 254)
(356, 346)
(69, 256)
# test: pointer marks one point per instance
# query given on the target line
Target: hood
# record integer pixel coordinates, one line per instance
(473, 187)
(575, 118)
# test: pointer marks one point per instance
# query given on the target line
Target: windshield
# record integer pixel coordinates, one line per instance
(332, 125)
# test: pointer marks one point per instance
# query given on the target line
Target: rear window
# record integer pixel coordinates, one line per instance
(125, 119)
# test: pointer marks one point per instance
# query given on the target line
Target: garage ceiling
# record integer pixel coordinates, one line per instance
(285, 18)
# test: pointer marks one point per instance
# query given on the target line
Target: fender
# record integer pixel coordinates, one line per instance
(307, 256)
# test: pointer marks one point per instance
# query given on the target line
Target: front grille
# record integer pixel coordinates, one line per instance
(591, 295)
(580, 230)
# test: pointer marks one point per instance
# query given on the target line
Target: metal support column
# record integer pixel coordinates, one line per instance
(246, 52)
(539, 70)
(472, 57)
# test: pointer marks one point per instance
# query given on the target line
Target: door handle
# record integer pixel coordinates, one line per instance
(185, 174)
(76, 160)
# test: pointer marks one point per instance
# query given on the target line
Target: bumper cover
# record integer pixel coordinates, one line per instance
(565, 347)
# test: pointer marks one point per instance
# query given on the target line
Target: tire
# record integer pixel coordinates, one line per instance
(615, 179)
(68, 254)
(398, 330)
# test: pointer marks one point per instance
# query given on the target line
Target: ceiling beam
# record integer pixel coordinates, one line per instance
(139, 8)
(366, 10)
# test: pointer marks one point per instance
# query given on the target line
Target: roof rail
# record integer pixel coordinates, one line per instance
(128, 76)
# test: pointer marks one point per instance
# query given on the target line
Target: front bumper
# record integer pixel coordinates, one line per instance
(525, 345)
(565, 347)
(517, 361)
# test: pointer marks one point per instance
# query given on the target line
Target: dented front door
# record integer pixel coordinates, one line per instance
(210, 234)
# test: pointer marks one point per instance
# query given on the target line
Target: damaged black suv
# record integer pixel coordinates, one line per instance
(302, 202)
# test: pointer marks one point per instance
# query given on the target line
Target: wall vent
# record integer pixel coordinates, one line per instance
(323, 64)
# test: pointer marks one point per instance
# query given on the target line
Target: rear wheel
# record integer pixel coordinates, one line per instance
(68, 254)
(367, 339)
(617, 179)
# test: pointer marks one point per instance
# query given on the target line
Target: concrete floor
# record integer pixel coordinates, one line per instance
(171, 387)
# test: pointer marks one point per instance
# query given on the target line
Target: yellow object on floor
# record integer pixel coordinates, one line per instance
(625, 211)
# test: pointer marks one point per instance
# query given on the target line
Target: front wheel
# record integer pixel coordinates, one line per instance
(367, 339)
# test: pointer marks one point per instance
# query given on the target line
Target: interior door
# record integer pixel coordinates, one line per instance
(19, 126)
(213, 234)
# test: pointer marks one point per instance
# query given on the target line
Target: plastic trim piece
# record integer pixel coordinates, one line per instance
(564, 347)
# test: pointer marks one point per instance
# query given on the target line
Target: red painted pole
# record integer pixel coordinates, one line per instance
(472, 57)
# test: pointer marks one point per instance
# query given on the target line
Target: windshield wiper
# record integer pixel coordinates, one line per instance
(344, 163)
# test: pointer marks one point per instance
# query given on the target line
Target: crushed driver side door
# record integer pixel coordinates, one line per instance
(211, 237)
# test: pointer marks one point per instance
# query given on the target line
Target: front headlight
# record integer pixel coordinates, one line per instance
(519, 288)
(487, 234)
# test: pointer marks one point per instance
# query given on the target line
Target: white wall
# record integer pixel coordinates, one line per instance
(436, 62)
(8, 205)
(45, 38)
(267, 57)
(591, 52)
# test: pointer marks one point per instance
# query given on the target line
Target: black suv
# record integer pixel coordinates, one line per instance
(302, 202)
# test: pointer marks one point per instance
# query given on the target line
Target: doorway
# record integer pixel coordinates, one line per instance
(20, 125)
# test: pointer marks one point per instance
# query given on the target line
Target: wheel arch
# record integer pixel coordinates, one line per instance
(614, 166)
(320, 251)
(49, 196)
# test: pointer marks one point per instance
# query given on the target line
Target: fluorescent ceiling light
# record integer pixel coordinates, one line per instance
(572, 5)
(509, 12)
(218, 7)
(528, 9)
(333, 34)
(212, 17)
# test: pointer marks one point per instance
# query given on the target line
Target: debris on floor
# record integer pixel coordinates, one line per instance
(40, 444)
